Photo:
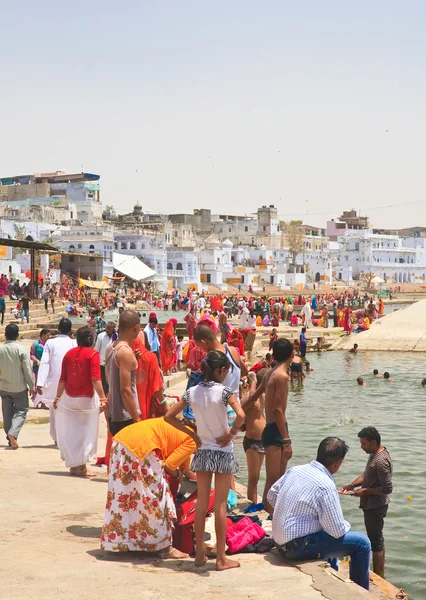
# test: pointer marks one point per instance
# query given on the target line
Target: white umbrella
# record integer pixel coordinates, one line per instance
(377, 279)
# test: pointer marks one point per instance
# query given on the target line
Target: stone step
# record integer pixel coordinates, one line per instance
(174, 379)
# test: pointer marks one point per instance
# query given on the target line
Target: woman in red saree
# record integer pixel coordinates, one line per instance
(149, 382)
(347, 321)
(190, 323)
(168, 346)
(236, 339)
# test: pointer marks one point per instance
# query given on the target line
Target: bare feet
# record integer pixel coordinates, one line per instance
(171, 552)
(200, 561)
(224, 565)
(13, 442)
(79, 472)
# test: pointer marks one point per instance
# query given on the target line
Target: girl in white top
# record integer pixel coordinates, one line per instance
(209, 401)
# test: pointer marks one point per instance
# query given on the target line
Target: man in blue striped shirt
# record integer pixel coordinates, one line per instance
(308, 521)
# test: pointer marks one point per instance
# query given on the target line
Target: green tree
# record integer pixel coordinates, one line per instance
(295, 236)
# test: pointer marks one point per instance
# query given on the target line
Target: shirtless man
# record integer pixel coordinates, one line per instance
(275, 436)
(296, 369)
(252, 443)
(120, 367)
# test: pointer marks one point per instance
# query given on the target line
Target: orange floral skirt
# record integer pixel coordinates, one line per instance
(140, 510)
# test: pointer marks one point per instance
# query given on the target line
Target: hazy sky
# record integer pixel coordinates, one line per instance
(227, 104)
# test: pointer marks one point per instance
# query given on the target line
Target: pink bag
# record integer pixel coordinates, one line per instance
(241, 534)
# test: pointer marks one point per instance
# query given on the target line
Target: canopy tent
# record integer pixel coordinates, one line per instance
(377, 279)
(131, 266)
(97, 285)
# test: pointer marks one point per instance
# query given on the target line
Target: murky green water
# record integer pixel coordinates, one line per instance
(331, 403)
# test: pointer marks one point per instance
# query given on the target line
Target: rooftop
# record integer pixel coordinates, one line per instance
(57, 177)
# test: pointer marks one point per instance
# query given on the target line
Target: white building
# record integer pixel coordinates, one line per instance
(215, 261)
(394, 259)
(91, 240)
(149, 247)
(183, 268)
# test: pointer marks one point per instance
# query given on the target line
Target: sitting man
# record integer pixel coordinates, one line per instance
(308, 522)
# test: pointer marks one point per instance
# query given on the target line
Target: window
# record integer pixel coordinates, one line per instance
(264, 228)
(230, 230)
(124, 245)
(218, 260)
(72, 248)
(179, 267)
(169, 266)
(72, 258)
(115, 246)
(91, 248)
(246, 228)
(132, 245)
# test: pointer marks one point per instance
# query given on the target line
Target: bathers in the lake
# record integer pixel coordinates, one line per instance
(296, 367)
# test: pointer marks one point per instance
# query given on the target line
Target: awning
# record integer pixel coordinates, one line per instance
(131, 266)
(97, 285)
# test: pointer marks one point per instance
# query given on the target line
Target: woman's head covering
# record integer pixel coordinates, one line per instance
(173, 321)
(209, 321)
(152, 316)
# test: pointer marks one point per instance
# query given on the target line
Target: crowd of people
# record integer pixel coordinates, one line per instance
(119, 371)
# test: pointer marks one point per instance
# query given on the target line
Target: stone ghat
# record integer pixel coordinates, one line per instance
(400, 331)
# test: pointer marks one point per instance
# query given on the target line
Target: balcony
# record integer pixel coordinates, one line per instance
(175, 273)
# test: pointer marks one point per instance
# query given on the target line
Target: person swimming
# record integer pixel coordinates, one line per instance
(386, 375)
(376, 373)
(423, 382)
(360, 381)
(296, 369)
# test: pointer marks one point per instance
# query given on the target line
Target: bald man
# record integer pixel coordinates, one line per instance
(121, 365)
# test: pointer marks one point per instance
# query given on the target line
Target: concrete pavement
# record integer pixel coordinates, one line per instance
(49, 546)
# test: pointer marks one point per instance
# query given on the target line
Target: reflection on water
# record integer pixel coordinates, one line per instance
(331, 403)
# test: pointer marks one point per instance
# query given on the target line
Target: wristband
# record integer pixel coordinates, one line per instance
(286, 442)
(232, 434)
(57, 397)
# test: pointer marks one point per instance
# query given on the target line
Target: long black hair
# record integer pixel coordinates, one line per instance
(213, 361)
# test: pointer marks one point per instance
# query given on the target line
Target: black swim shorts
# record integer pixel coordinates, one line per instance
(271, 436)
(256, 445)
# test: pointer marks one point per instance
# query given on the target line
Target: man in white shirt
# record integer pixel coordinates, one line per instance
(244, 314)
(308, 521)
(50, 369)
(103, 341)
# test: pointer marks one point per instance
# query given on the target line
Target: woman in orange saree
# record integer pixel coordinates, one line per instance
(168, 346)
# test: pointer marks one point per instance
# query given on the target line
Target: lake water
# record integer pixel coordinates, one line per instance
(331, 403)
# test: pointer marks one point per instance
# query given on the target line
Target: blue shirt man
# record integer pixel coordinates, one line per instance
(308, 521)
(303, 342)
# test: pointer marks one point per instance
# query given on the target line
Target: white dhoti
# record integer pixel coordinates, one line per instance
(48, 402)
(77, 427)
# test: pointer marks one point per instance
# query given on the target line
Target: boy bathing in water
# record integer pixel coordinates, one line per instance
(275, 436)
(252, 443)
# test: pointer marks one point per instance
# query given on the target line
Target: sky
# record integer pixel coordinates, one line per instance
(314, 107)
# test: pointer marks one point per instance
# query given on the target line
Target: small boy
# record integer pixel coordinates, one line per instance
(275, 437)
(252, 442)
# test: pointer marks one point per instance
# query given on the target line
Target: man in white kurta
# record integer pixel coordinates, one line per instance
(307, 312)
(50, 368)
